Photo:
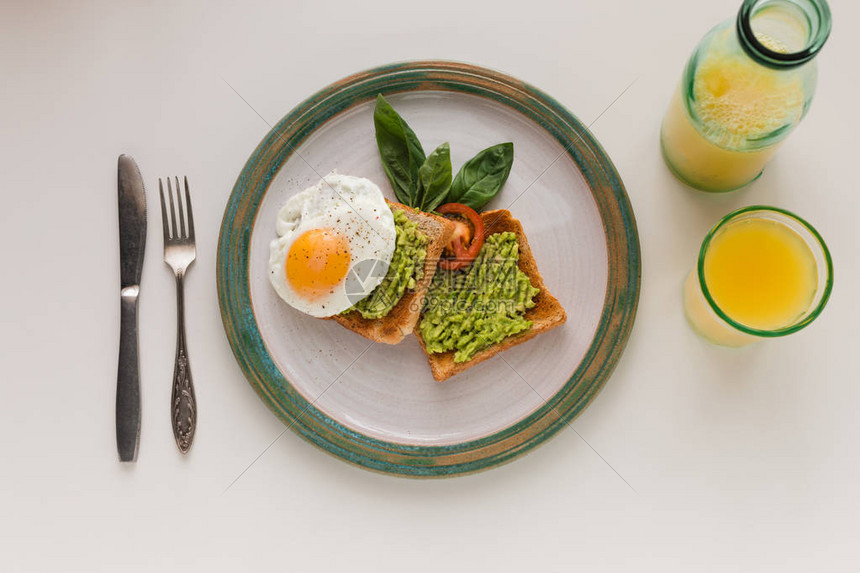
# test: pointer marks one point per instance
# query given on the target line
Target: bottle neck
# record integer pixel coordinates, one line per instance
(783, 34)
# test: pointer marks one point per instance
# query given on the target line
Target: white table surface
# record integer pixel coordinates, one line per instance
(741, 460)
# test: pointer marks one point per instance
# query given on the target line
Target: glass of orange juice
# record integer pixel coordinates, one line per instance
(762, 272)
(744, 89)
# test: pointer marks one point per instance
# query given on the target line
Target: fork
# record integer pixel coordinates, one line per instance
(179, 252)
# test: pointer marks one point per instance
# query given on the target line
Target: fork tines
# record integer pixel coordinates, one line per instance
(174, 233)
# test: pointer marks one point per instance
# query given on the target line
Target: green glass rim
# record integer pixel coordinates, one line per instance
(311, 423)
(782, 60)
(828, 286)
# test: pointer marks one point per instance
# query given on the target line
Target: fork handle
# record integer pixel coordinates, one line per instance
(128, 379)
(183, 403)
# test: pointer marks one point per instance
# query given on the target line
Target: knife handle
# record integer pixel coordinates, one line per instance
(128, 379)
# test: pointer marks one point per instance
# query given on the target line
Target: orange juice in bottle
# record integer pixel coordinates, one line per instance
(747, 85)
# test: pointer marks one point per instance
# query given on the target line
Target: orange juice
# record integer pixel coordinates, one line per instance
(761, 273)
(724, 125)
(757, 276)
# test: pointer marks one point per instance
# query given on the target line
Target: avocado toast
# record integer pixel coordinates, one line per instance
(542, 311)
(391, 324)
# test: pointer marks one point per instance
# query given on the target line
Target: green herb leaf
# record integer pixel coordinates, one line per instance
(400, 151)
(435, 177)
(481, 178)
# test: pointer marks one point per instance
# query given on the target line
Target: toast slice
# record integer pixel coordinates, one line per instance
(545, 315)
(401, 321)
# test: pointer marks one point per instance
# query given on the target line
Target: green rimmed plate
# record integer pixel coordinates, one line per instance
(376, 405)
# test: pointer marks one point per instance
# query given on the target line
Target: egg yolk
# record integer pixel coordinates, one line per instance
(317, 261)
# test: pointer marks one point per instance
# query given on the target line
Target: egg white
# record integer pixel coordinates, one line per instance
(353, 206)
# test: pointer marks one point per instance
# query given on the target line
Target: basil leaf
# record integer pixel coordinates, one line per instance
(481, 178)
(400, 151)
(435, 178)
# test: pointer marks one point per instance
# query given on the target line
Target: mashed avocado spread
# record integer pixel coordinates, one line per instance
(404, 271)
(481, 305)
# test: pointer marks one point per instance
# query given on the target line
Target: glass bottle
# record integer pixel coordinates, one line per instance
(746, 86)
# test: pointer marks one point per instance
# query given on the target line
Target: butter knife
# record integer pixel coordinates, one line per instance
(132, 240)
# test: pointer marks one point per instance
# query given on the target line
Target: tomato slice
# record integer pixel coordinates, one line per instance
(463, 255)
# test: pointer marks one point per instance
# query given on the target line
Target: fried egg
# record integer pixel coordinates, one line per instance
(323, 232)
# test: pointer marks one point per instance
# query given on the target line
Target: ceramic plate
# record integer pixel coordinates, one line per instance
(377, 405)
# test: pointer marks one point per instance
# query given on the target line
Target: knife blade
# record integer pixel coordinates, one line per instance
(132, 241)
